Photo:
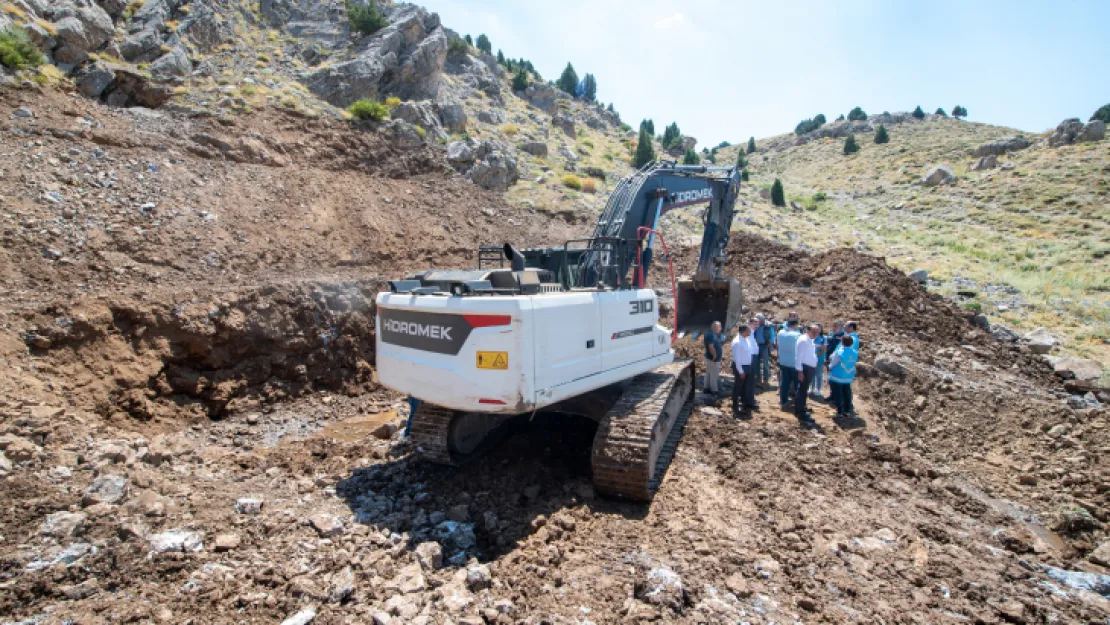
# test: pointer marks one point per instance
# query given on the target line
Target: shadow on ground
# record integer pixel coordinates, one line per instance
(541, 467)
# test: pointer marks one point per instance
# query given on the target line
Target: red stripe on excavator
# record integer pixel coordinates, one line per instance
(491, 401)
(488, 321)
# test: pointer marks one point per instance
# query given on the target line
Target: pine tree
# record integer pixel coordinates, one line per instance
(469, 40)
(671, 135)
(850, 145)
(484, 45)
(1102, 114)
(744, 175)
(751, 145)
(857, 115)
(568, 81)
(591, 88)
(959, 111)
(940, 111)
(918, 113)
(741, 162)
(881, 136)
(778, 197)
(645, 151)
(520, 79)
(690, 158)
(500, 57)
(650, 125)
(365, 19)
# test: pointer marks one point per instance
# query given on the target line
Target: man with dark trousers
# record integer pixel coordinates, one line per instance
(805, 362)
(742, 373)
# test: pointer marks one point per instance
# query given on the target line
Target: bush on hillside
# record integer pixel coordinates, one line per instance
(392, 102)
(918, 113)
(959, 111)
(881, 136)
(751, 145)
(778, 197)
(469, 40)
(365, 19)
(723, 144)
(589, 185)
(857, 115)
(1103, 114)
(840, 117)
(690, 158)
(368, 110)
(809, 125)
(819, 119)
(744, 175)
(568, 80)
(457, 47)
(572, 182)
(17, 52)
(850, 145)
(940, 111)
(520, 79)
(645, 150)
(820, 196)
(741, 162)
(483, 44)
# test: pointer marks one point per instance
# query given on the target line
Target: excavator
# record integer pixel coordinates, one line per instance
(571, 330)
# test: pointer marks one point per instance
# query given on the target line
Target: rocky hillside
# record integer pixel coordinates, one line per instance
(1014, 225)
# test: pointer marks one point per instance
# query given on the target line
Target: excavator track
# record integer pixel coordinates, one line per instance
(430, 427)
(436, 441)
(637, 438)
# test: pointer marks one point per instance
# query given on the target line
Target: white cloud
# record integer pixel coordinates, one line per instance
(673, 20)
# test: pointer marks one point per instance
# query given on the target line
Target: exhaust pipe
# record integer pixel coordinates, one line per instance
(515, 257)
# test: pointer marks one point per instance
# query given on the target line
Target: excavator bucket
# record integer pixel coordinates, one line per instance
(702, 303)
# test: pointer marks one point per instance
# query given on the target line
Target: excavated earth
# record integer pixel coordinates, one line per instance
(192, 432)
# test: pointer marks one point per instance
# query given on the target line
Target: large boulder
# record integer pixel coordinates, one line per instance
(421, 114)
(544, 97)
(938, 175)
(141, 46)
(565, 123)
(985, 162)
(86, 28)
(497, 169)
(405, 58)
(173, 64)
(1039, 341)
(1074, 131)
(1082, 369)
(95, 80)
(452, 116)
(460, 153)
(688, 143)
(403, 133)
(1001, 146)
(535, 148)
(139, 90)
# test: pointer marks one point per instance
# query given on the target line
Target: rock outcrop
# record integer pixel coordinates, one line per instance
(1074, 131)
(985, 162)
(1001, 146)
(490, 164)
(939, 175)
(404, 59)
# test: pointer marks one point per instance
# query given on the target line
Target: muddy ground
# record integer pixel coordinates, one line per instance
(192, 432)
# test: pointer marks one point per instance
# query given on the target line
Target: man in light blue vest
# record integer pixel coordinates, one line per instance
(787, 342)
(842, 372)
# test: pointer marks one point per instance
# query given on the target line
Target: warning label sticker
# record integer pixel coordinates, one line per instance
(493, 360)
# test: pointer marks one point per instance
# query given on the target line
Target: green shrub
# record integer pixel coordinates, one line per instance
(645, 150)
(857, 115)
(974, 306)
(778, 197)
(751, 145)
(940, 111)
(520, 79)
(850, 145)
(1103, 113)
(820, 196)
(420, 131)
(457, 47)
(365, 19)
(959, 111)
(368, 109)
(392, 102)
(625, 127)
(690, 158)
(840, 118)
(741, 162)
(17, 52)
(918, 113)
(572, 182)
(483, 44)
(881, 135)
(744, 175)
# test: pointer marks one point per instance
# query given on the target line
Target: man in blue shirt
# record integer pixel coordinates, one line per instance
(764, 332)
(713, 353)
(787, 342)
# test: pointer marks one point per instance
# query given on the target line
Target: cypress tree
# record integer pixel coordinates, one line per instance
(469, 40)
(741, 162)
(940, 111)
(645, 151)
(751, 145)
(778, 197)
(484, 45)
(850, 145)
(918, 113)
(744, 175)
(959, 111)
(568, 81)
(591, 88)
(881, 136)
(520, 79)
(690, 158)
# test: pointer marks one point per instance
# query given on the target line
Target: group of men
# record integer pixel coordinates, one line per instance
(803, 355)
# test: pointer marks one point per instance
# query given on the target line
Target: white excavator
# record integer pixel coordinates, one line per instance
(571, 329)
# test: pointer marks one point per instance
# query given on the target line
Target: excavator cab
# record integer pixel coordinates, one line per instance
(702, 303)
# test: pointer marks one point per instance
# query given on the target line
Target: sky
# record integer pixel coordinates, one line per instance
(727, 70)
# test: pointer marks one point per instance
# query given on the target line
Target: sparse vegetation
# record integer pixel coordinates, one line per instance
(857, 115)
(589, 185)
(420, 131)
(392, 102)
(17, 52)
(778, 197)
(368, 110)
(457, 46)
(850, 145)
(571, 181)
(365, 19)
(509, 129)
(881, 135)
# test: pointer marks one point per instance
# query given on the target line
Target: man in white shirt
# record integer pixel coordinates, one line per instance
(750, 380)
(805, 362)
(741, 370)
